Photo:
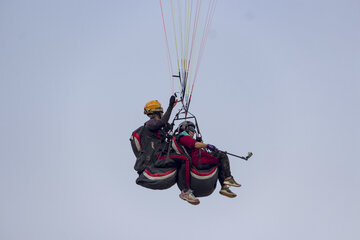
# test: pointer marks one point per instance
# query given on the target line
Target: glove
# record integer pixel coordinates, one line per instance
(211, 148)
(172, 101)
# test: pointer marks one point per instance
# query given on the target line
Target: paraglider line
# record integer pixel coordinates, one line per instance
(167, 48)
(209, 17)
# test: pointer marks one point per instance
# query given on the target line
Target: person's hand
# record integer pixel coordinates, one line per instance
(172, 101)
(211, 148)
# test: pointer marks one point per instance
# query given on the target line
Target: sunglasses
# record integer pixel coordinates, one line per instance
(191, 128)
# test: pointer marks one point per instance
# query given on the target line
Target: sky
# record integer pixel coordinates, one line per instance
(278, 78)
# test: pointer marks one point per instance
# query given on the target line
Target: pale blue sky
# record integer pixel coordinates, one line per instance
(279, 78)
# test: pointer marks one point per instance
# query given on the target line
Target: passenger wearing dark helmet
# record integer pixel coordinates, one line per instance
(199, 157)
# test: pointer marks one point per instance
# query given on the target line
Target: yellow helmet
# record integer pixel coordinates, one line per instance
(152, 107)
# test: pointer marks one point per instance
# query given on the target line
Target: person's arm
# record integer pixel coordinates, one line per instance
(154, 125)
(187, 141)
(207, 146)
(165, 118)
(191, 143)
(200, 145)
(158, 124)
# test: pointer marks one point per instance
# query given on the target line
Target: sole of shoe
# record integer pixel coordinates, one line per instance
(231, 184)
(226, 194)
(189, 201)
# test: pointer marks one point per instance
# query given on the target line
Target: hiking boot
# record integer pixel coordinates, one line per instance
(225, 190)
(189, 197)
(231, 182)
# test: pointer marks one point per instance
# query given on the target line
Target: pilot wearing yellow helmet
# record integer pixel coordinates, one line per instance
(158, 120)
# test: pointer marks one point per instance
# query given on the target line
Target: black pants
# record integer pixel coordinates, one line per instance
(223, 165)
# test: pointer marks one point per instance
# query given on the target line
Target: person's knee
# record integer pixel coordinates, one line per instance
(222, 156)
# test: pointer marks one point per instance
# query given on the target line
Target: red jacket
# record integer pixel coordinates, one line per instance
(206, 158)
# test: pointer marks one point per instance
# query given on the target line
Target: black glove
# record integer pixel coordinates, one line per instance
(211, 148)
(172, 101)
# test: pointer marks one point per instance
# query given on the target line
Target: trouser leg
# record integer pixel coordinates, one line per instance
(184, 175)
(224, 166)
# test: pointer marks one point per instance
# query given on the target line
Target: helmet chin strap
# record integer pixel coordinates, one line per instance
(154, 115)
(158, 114)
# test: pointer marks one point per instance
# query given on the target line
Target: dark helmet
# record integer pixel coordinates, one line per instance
(187, 126)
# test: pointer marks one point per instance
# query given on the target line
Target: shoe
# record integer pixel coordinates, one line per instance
(189, 197)
(231, 182)
(225, 190)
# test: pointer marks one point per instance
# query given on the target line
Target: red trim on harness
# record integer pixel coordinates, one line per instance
(159, 134)
(173, 156)
(177, 146)
(137, 136)
(187, 164)
(204, 173)
(159, 174)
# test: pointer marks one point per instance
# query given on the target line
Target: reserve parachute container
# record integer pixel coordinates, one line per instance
(157, 163)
